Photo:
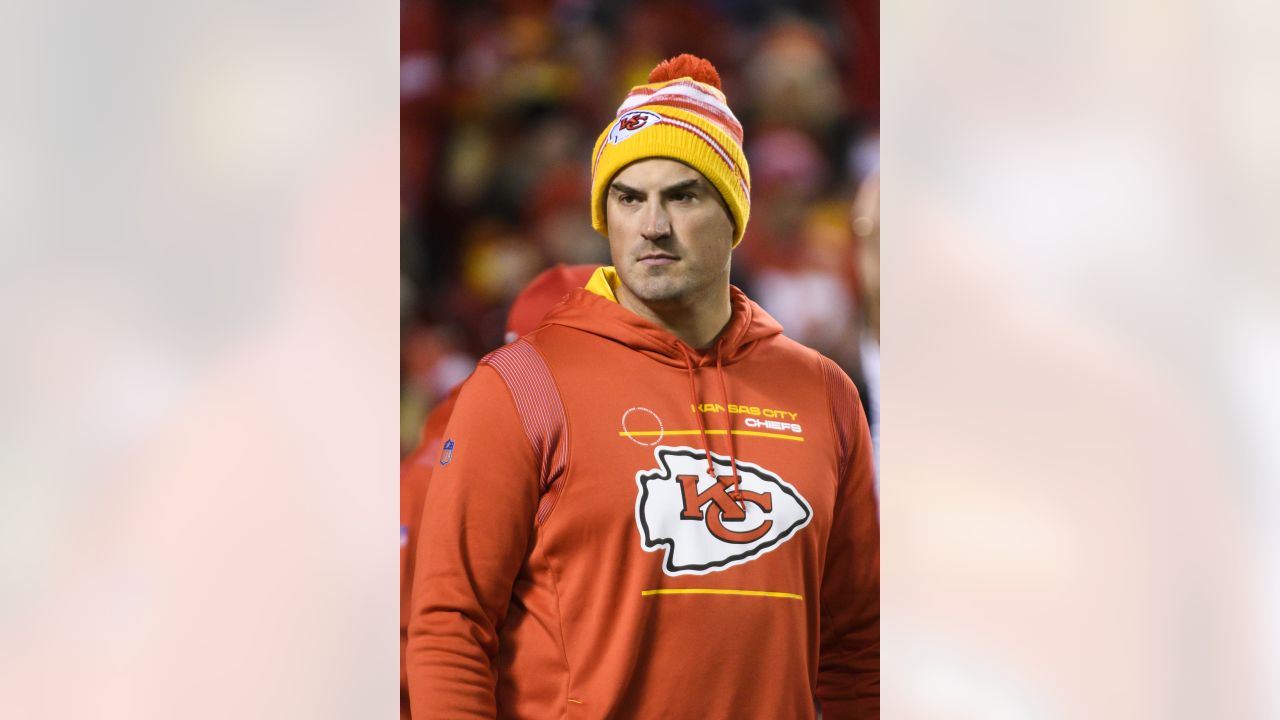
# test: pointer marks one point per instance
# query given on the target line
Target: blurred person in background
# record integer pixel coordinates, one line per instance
(547, 289)
(866, 226)
(579, 528)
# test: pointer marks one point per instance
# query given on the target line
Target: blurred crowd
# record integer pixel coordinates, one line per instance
(501, 103)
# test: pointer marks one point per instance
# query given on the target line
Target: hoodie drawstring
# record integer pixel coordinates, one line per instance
(697, 413)
(735, 492)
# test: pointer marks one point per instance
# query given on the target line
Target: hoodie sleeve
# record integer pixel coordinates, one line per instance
(415, 475)
(477, 524)
(849, 656)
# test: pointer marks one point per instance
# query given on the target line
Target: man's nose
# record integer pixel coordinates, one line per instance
(657, 223)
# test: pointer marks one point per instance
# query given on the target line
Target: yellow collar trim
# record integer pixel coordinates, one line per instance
(604, 281)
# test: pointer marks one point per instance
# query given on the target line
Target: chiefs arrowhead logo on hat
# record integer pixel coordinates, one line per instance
(703, 525)
(632, 123)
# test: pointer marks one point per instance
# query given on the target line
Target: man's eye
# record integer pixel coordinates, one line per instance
(683, 197)
(628, 199)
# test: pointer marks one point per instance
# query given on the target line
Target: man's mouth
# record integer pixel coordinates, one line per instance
(656, 258)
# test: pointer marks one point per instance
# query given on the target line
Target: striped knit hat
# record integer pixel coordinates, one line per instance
(682, 115)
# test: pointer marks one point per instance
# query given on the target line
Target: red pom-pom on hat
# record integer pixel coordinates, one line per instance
(686, 65)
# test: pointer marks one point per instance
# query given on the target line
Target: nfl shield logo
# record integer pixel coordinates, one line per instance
(447, 455)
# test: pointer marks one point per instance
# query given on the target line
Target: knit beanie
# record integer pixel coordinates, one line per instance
(680, 114)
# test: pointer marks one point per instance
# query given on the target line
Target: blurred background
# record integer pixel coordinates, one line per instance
(501, 103)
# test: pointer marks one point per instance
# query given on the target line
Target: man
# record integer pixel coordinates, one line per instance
(539, 296)
(654, 505)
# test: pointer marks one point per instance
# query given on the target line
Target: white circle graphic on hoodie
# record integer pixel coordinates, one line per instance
(643, 428)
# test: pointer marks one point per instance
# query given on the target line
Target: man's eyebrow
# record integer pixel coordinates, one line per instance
(674, 188)
(624, 189)
(682, 186)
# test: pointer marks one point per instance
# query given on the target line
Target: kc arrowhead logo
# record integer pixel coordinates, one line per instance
(632, 123)
(702, 523)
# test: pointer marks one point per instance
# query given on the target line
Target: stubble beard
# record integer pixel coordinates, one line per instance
(664, 286)
(668, 287)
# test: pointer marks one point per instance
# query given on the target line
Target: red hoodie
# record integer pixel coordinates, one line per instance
(589, 551)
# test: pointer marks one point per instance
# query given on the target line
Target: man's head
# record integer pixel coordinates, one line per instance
(682, 115)
(670, 233)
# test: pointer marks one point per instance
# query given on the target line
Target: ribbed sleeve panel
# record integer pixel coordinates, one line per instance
(844, 409)
(541, 413)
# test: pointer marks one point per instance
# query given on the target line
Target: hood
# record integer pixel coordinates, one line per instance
(595, 309)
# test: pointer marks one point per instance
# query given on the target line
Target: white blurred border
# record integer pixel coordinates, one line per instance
(1080, 344)
(199, 250)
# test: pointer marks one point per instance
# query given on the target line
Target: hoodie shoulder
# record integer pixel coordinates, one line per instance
(792, 350)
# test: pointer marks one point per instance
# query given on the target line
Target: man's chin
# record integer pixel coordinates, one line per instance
(661, 296)
(655, 290)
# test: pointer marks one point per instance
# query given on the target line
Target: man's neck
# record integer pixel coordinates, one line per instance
(697, 323)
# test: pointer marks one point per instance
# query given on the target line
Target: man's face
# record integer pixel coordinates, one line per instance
(669, 233)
